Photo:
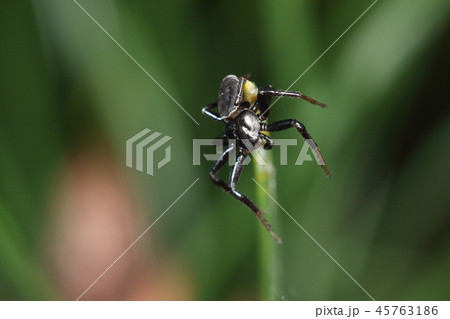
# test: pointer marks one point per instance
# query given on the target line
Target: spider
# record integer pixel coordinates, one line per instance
(244, 109)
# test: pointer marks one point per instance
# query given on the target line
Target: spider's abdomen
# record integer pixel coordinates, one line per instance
(227, 95)
(245, 129)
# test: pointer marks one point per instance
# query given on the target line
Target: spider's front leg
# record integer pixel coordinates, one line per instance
(285, 124)
(270, 91)
(207, 111)
(217, 166)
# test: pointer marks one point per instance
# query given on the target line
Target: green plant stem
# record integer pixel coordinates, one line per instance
(269, 260)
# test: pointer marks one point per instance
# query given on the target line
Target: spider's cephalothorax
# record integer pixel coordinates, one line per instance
(244, 109)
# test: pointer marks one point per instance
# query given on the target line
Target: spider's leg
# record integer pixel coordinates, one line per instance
(263, 103)
(207, 111)
(224, 138)
(268, 145)
(217, 166)
(270, 91)
(285, 124)
(234, 178)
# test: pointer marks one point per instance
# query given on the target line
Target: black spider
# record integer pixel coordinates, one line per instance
(244, 108)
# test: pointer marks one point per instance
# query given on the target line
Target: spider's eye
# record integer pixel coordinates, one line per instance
(250, 92)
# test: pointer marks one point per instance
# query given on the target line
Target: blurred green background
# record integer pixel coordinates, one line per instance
(70, 98)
